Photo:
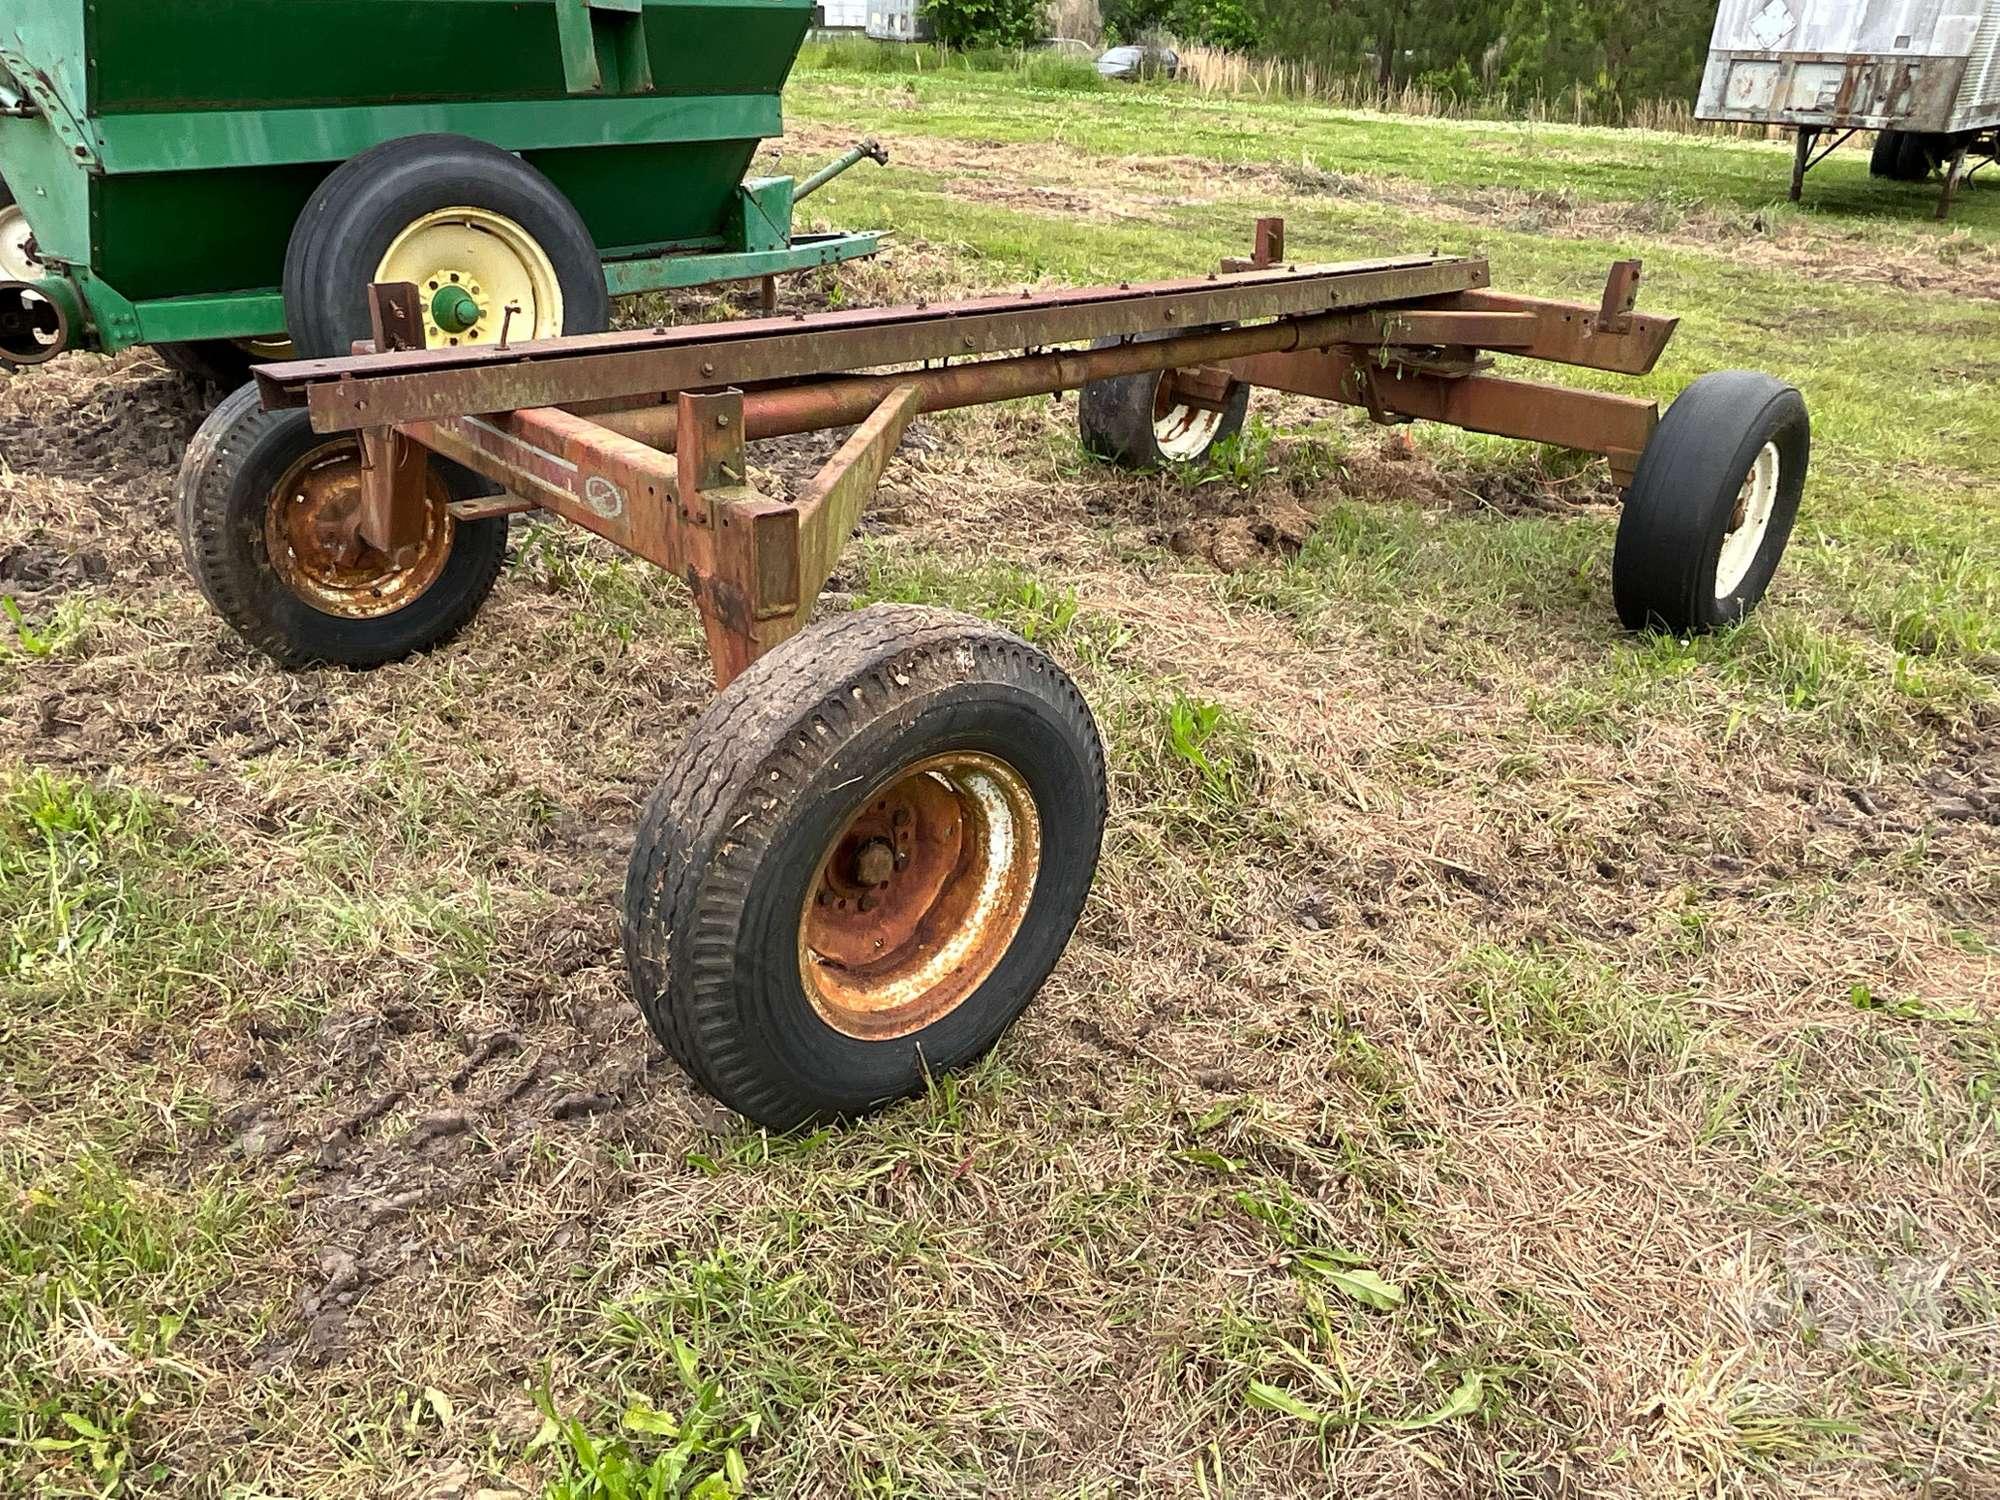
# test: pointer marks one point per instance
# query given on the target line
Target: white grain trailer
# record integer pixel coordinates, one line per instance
(1924, 74)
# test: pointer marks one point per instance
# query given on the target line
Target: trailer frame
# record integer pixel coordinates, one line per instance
(639, 437)
(874, 844)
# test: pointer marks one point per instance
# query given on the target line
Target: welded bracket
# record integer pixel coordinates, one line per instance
(756, 565)
(39, 89)
(1621, 296)
(1267, 248)
(392, 517)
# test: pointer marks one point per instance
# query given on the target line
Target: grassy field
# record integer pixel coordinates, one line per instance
(1503, 1056)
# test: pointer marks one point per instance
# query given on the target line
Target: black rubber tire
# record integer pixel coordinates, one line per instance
(1916, 157)
(1891, 157)
(732, 839)
(1116, 419)
(212, 362)
(1684, 495)
(348, 225)
(238, 456)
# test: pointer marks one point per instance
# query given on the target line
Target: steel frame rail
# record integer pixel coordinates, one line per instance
(639, 437)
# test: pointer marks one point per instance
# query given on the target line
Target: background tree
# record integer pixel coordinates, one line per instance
(985, 23)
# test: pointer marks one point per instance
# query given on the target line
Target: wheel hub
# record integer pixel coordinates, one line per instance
(313, 539)
(455, 307)
(920, 896)
(1186, 415)
(480, 274)
(1749, 520)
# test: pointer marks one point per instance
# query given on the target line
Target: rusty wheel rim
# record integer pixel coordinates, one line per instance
(920, 895)
(310, 538)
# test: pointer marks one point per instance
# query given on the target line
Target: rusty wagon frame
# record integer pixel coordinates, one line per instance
(877, 841)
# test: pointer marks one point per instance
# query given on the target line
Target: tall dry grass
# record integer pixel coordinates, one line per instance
(1210, 70)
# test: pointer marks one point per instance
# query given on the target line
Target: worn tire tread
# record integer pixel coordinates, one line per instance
(210, 473)
(687, 889)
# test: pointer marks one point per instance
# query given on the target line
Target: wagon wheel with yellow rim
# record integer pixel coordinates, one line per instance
(494, 247)
(864, 862)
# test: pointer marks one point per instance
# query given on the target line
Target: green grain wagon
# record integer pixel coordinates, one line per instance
(219, 177)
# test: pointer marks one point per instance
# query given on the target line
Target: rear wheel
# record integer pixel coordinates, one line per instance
(266, 513)
(864, 862)
(1159, 417)
(17, 258)
(1899, 156)
(1712, 504)
(492, 245)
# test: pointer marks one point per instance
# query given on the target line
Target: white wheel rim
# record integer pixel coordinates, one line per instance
(16, 264)
(1750, 520)
(493, 260)
(1185, 432)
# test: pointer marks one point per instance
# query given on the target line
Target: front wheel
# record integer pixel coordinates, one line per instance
(864, 862)
(266, 520)
(1712, 504)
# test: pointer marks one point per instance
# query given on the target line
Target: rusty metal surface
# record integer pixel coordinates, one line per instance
(780, 410)
(604, 483)
(314, 541)
(1567, 333)
(1563, 332)
(380, 389)
(654, 460)
(963, 841)
(1621, 296)
(1267, 247)
(393, 516)
(831, 505)
(1590, 421)
(1924, 65)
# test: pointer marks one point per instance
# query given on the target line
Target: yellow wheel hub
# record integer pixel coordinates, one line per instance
(476, 266)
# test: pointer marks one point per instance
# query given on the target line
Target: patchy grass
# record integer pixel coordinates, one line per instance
(1502, 1055)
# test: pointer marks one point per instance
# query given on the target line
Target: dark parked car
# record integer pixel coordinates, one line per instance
(1140, 62)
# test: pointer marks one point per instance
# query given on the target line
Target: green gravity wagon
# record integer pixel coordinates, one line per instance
(225, 178)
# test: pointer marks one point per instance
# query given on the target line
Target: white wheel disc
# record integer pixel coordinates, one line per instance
(1185, 432)
(1749, 523)
(16, 264)
(1181, 431)
(491, 260)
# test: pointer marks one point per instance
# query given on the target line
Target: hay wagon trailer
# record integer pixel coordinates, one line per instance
(225, 178)
(875, 843)
(1923, 74)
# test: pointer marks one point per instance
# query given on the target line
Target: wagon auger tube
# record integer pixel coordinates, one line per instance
(905, 804)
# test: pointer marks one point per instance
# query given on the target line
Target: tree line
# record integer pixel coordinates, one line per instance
(1608, 53)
